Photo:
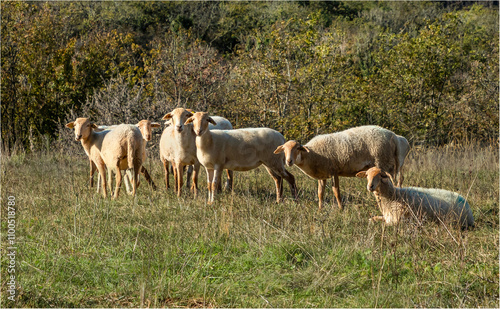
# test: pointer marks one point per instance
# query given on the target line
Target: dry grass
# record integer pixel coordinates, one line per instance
(157, 250)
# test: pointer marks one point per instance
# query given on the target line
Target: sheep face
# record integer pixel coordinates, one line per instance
(200, 122)
(374, 176)
(178, 118)
(83, 127)
(146, 128)
(292, 150)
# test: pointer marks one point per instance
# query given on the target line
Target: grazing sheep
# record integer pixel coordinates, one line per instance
(397, 203)
(121, 149)
(238, 150)
(146, 127)
(178, 146)
(344, 154)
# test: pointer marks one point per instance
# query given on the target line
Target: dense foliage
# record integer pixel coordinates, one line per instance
(427, 70)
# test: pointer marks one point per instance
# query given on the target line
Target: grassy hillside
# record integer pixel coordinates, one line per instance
(76, 249)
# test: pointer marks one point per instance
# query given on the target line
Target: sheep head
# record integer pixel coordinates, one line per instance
(374, 176)
(200, 121)
(178, 118)
(292, 150)
(146, 127)
(83, 127)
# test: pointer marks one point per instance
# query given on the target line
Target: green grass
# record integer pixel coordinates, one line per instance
(76, 249)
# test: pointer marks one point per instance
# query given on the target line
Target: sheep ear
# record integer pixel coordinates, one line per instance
(167, 116)
(361, 174)
(94, 126)
(189, 120)
(303, 148)
(212, 121)
(190, 110)
(155, 125)
(70, 125)
(279, 149)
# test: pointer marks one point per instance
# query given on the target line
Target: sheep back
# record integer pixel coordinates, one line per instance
(438, 204)
(353, 150)
(243, 149)
(119, 144)
(222, 123)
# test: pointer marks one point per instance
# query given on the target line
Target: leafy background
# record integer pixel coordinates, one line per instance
(427, 70)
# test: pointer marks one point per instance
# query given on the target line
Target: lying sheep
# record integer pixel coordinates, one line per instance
(398, 203)
(177, 145)
(346, 153)
(238, 150)
(121, 149)
(146, 127)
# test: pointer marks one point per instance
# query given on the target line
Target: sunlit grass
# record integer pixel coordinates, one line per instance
(77, 249)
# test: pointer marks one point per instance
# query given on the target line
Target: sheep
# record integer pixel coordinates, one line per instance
(121, 148)
(346, 153)
(397, 203)
(403, 148)
(238, 150)
(146, 127)
(177, 145)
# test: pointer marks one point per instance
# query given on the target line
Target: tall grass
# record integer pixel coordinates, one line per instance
(76, 249)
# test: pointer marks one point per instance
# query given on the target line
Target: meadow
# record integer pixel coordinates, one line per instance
(76, 249)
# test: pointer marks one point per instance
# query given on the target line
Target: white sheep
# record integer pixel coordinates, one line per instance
(346, 153)
(397, 203)
(177, 145)
(403, 148)
(121, 149)
(238, 150)
(146, 127)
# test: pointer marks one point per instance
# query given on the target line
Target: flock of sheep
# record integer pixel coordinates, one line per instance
(195, 139)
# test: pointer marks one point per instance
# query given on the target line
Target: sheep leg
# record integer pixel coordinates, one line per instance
(92, 171)
(180, 180)
(165, 168)
(278, 180)
(229, 181)
(135, 179)
(291, 181)
(336, 191)
(118, 177)
(321, 192)
(98, 183)
(126, 179)
(102, 175)
(279, 189)
(174, 169)
(215, 180)
(148, 178)
(196, 172)
(110, 181)
(189, 172)
(210, 177)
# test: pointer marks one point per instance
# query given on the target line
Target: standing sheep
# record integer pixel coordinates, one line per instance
(397, 203)
(120, 149)
(346, 153)
(238, 150)
(146, 127)
(178, 146)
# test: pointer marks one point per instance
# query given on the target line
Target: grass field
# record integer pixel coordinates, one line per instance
(76, 249)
